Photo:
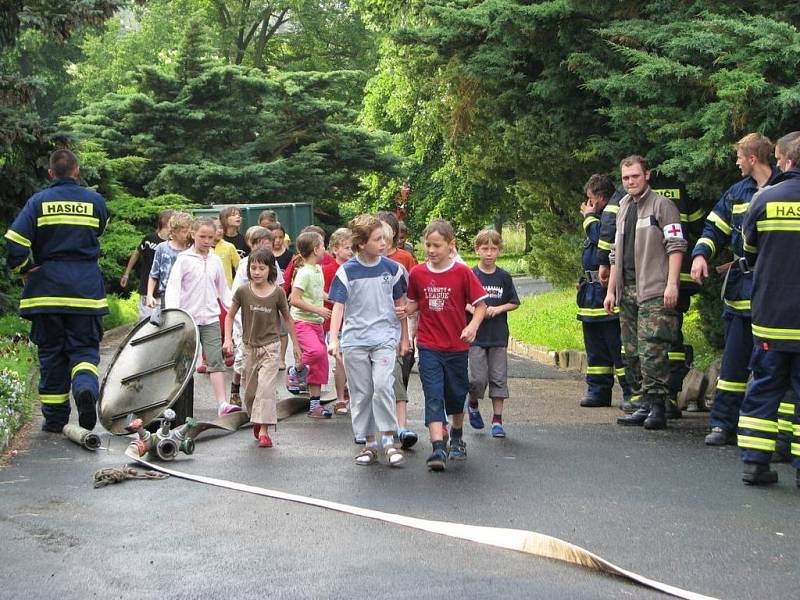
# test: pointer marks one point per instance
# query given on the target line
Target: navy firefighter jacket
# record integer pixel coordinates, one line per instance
(771, 243)
(590, 292)
(54, 240)
(724, 226)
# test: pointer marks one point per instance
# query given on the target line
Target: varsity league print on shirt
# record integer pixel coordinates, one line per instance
(437, 297)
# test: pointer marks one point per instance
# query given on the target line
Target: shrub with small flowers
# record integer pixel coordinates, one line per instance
(17, 359)
(15, 405)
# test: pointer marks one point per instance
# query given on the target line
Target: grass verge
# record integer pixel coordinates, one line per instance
(548, 320)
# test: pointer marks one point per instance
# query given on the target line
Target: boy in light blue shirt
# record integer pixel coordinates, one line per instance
(367, 292)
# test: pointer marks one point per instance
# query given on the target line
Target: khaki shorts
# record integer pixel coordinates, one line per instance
(211, 340)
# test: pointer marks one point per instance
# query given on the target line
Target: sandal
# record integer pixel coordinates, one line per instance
(366, 457)
(395, 457)
(340, 408)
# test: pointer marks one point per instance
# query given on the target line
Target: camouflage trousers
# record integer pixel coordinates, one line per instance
(648, 333)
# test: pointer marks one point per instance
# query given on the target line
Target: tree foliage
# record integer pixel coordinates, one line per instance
(220, 133)
(525, 99)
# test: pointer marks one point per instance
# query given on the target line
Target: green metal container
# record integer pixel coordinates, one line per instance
(294, 216)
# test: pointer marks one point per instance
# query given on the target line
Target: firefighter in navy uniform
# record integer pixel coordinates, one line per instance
(53, 243)
(724, 226)
(771, 232)
(680, 355)
(601, 333)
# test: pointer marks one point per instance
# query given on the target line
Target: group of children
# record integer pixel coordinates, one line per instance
(366, 303)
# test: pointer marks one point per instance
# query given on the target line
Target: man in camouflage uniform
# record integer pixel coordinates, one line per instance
(644, 281)
(681, 355)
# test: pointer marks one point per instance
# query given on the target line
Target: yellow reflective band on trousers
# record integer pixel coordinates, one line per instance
(738, 304)
(757, 424)
(784, 425)
(795, 449)
(721, 223)
(603, 245)
(776, 334)
(54, 398)
(599, 370)
(756, 443)
(636, 397)
(708, 242)
(686, 278)
(17, 238)
(85, 366)
(786, 408)
(620, 372)
(57, 301)
(676, 355)
(595, 312)
(732, 386)
(68, 220)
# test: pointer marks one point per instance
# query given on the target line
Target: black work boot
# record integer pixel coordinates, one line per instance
(673, 412)
(758, 474)
(52, 427)
(595, 401)
(657, 419)
(720, 437)
(638, 417)
(87, 410)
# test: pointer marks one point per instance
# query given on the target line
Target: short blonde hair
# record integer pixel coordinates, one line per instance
(180, 220)
(388, 233)
(203, 222)
(755, 144)
(255, 234)
(362, 227)
(442, 227)
(488, 236)
(339, 237)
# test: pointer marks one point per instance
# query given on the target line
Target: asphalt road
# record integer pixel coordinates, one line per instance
(658, 503)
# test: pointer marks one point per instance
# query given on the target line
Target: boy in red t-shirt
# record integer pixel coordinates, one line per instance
(440, 290)
(341, 245)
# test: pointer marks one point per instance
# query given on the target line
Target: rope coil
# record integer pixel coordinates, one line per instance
(110, 475)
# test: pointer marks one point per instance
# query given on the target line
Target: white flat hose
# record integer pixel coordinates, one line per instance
(520, 540)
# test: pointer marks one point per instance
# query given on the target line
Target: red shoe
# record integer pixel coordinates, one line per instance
(256, 429)
(264, 441)
(202, 368)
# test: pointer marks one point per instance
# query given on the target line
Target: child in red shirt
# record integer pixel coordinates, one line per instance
(341, 245)
(440, 290)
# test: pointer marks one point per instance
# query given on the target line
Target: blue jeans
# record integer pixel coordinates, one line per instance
(445, 383)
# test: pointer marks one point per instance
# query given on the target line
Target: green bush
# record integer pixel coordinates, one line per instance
(17, 359)
(555, 250)
(15, 405)
(12, 325)
(122, 311)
